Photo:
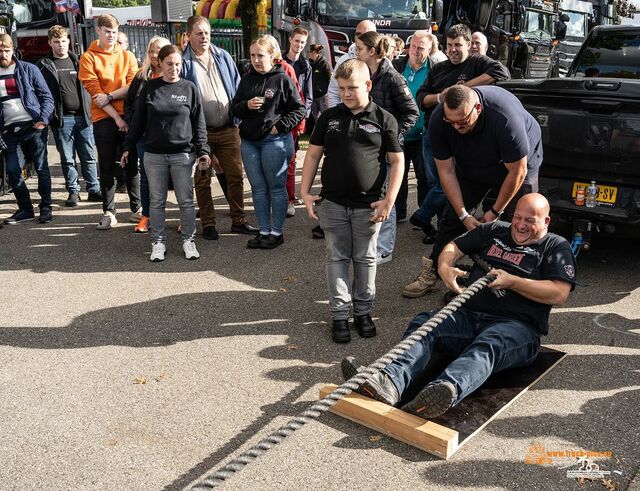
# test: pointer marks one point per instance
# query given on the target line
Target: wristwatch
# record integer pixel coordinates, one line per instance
(110, 97)
(498, 214)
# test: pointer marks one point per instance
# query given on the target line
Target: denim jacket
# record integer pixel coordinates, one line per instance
(226, 67)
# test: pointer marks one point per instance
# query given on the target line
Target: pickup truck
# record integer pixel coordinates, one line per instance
(590, 124)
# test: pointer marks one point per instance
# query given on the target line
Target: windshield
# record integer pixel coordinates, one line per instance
(577, 24)
(612, 54)
(373, 9)
(537, 25)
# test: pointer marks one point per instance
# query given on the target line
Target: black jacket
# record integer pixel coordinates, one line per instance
(321, 74)
(282, 107)
(391, 92)
(50, 75)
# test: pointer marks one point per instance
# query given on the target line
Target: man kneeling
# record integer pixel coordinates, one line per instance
(500, 326)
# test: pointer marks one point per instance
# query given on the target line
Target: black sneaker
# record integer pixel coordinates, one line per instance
(244, 228)
(340, 331)
(429, 235)
(350, 367)
(271, 241)
(45, 215)
(365, 326)
(255, 242)
(72, 200)
(20, 216)
(317, 232)
(210, 233)
(433, 400)
(94, 197)
(381, 388)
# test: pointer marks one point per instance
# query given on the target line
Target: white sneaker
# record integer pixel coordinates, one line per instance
(190, 251)
(107, 221)
(291, 210)
(380, 259)
(157, 252)
(135, 216)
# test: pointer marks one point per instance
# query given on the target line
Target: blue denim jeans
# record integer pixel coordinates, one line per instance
(180, 167)
(76, 136)
(482, 343)
(266, 162)
(435, 201)
(387, 236)
(350, 238)
(34, 145)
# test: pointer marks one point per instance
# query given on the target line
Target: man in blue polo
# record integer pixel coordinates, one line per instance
(27, 106)
(483, 141)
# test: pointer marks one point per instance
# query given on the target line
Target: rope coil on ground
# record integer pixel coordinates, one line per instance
(317, 409)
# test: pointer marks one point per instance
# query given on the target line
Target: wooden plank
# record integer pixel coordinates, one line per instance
(425, 435)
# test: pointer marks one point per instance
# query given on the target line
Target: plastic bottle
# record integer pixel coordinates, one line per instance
(592, 194)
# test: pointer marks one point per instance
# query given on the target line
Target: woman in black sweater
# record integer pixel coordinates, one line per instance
(269, 106)
(169, 115)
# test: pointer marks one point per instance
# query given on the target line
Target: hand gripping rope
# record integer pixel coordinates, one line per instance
(316, 410)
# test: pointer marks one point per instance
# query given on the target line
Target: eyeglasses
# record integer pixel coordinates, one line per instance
(465, 121)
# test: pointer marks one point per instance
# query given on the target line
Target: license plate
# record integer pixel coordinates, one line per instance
(606, 194)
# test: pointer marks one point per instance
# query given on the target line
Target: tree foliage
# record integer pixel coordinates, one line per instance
(120, 3)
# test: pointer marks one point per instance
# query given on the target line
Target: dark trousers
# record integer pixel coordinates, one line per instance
(412, 155)
(473, 193)
(109, 143)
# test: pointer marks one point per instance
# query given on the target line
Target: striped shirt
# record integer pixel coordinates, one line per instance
(13, 109)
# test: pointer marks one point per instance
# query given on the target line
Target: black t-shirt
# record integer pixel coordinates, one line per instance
(355, 148)
(505, 132)
(445, 74)
(68, 77)
(550, 258)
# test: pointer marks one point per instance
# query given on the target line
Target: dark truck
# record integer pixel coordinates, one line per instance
(590, 124)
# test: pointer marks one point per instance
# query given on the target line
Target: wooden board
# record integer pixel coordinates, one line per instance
(426, 435)
(444, 435)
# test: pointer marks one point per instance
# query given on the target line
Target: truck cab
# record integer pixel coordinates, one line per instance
(577, 18)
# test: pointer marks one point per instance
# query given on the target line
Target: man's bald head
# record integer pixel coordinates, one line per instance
(479, 43)
(365, 26)
(530, 221)
(535, 201)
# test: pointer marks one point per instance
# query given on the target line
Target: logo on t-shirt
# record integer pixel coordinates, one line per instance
(333, 125)
(570, 270)
(269, 93)
(179, 98)
(369, 128)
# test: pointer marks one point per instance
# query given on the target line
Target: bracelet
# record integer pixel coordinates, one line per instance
(498, 214)
(438, 97)
(464, 216)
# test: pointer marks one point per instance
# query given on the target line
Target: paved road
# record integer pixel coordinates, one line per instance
(232, 345)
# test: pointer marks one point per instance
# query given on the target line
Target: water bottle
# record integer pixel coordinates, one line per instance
(592, 193)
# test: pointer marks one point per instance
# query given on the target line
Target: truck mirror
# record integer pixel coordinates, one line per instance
(438, 8)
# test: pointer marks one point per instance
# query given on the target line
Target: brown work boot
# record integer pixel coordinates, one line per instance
(425, 282)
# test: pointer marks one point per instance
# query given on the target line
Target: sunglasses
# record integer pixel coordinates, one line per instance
(465, 121)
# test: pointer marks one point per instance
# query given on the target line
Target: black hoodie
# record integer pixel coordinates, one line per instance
(282, 107)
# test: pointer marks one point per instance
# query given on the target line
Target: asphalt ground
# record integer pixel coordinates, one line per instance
(122, 374)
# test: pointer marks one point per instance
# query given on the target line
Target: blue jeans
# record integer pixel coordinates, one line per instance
(435, 201)
(266, 162)
(350, 237)
(482, 343)
(387, 236)
(34, 144)
(76, 136)
(180, 167)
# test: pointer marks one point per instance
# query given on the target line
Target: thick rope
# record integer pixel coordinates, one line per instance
(316, 410)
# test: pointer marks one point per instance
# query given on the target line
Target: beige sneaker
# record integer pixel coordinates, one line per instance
(426, 281)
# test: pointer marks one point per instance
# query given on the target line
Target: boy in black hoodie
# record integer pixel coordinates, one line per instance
(71, 122)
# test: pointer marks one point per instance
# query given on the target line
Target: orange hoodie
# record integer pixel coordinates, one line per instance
(102, 72)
